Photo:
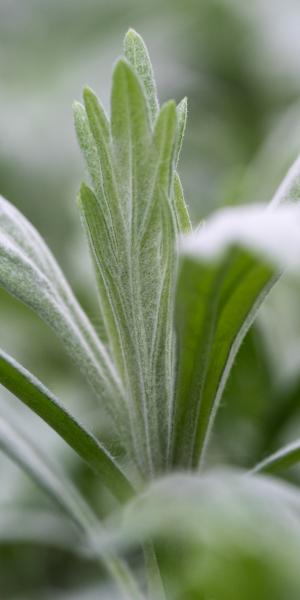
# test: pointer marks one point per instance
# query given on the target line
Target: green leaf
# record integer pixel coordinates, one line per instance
(289, 189)
(38, 467)
(226, 525)
(106, 267)
(29, 272)
(286, 457)
(130, 283)
(181, 211)
(35, 395)
(137, 54)
(182, 216)
(87, 146)
(160, 171)
(109, 199)
(162, 355)
(227, 268)
(31, 525)
(134, 253)
(115, 310)
(130, 130)
(181, 119)
(57, 486)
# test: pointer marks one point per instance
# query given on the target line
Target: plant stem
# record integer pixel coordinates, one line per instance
(123, 577)
(155, 585)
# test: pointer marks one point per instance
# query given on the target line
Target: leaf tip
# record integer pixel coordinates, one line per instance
(88, 94)
(183, 104)
(132, 36)
(169, 108)
(77, 110)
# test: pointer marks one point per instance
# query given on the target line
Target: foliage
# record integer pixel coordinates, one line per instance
(175, 306)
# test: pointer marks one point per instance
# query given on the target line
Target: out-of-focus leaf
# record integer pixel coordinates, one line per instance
(223, 529)
(22, 524)
(38, 467)
(281, 459)
(289, 189)
(57, 486)
(243, 420)
(227, 268)
(35, 395)
(283, 410)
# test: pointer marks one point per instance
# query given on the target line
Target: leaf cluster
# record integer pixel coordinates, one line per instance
(175, 305)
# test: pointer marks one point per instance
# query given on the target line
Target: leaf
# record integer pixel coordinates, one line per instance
(29, 272)
(137, 54)
(130, 130)
(134, 256)
(289, 189)
(222, 528)
(106, 267)
(15, 445)
(109, 199)
(182, 215)
(26, 525)
(162, 355)
(35, 395)
(284, 458)
(57, 486)
(181, 119)
(87, 146)
(151, 260)
(181, 211)
(164, 135)
(115, 310)
(130, 286)
(227, 268)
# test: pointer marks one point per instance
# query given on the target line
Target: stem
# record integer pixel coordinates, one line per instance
(124, 578)
(155, 585)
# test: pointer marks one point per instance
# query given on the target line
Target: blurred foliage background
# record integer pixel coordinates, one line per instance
(239, 64)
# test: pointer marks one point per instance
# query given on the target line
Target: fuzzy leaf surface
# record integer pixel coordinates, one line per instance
(29, 272)
(226, 524)
(133, 244)
(40, 527)
(137, 55)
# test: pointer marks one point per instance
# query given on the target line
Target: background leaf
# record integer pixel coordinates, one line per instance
(223, 528)
(227, 268)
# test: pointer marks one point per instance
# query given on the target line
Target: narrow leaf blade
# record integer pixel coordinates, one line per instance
(289, 189)
(181, 111)
(21, 450)
(35, 395)
(130, 128)
(137, 54)
(182, 215)
(284, 458)
(29, 272)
